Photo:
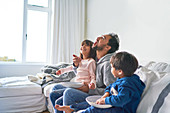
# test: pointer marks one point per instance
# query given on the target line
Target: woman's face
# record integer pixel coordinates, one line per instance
(85, 49)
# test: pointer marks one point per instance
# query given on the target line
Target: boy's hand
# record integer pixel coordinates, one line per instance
(91, 86)
(100, 101)
(58, 72)
(76, 60)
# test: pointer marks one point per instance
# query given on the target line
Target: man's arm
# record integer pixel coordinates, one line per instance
(108, 77)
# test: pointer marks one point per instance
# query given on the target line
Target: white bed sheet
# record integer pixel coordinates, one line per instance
(23, 104)
(18, 86)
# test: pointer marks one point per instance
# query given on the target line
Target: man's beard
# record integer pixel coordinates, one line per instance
(99, 48)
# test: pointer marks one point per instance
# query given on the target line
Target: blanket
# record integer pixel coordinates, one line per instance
(48, 75)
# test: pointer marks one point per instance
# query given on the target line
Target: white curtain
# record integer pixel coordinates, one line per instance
(69, 23)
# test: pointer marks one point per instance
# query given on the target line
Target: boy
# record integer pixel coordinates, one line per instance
(128, 85)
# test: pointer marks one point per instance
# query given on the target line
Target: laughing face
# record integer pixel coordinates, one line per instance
(101, 42)
(85, 49)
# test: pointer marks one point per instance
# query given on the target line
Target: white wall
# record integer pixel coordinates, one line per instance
(142, 25)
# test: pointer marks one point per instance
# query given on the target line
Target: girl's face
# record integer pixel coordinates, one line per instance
(85, 49)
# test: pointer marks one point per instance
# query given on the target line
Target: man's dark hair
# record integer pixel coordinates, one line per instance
(113, 42)
(126, 62)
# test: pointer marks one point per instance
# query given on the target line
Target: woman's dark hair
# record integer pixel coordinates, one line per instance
(126, 62)
(113, 42)
(92, 53)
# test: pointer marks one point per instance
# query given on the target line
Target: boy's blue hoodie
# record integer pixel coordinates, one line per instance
(129, 93)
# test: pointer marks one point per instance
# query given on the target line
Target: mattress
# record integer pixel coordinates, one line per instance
(18, 86)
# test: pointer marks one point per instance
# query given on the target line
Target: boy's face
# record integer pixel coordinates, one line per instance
(116, 73)
(113, 71)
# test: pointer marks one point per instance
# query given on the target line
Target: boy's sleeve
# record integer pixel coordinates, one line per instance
(108, 88)
(123, 97)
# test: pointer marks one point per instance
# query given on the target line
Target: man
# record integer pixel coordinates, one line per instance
(105, 45)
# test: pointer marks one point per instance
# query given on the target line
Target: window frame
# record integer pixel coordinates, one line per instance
(42, 9)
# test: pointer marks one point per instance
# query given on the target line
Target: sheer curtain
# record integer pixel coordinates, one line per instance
(69, 23)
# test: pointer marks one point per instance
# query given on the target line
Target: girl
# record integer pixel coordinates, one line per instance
(85, 73)
(87, 66)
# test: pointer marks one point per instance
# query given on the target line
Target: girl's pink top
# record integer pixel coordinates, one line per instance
(85, 71)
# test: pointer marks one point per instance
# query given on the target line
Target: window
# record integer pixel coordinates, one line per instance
(25, 30)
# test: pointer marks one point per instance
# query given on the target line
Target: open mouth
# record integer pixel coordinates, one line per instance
(94, 44)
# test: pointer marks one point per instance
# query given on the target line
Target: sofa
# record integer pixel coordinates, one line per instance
(155, 98)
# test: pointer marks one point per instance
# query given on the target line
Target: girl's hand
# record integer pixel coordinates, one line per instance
(76, 60)
(100, 101)
(58, 72)
(91, 86)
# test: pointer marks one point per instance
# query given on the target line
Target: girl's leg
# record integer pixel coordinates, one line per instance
(58, 86)
(72, 96)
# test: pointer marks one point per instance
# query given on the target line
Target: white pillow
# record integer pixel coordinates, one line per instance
(157, 89)
(159, 66)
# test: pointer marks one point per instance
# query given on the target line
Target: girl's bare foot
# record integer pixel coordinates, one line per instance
(67, 109)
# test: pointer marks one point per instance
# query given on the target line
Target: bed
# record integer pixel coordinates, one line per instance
(18, 94)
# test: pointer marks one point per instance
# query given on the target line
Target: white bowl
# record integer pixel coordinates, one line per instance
(72, 84)
(92, 101)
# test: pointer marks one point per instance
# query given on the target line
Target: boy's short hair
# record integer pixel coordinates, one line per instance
(126, 62)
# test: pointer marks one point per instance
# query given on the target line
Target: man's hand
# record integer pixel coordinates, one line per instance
(76, 60)
(84, 88)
